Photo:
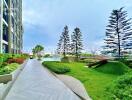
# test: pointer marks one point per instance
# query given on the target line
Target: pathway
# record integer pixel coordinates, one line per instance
(37, 83)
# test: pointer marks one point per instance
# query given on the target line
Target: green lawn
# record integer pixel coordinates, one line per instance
(94, 81)
(113, 67)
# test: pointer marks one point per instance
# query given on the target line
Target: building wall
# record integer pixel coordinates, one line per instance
(11, 33)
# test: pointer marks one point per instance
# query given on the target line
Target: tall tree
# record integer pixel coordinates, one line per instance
(64, 42)
(118, 33)
(76, 45)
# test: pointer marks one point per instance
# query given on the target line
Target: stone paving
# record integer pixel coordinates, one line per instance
(37, 83)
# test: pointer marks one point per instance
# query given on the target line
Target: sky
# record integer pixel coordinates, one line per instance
(44, 20)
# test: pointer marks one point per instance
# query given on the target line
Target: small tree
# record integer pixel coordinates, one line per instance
(37, 50)
(118, 33)
(76, 45)
(64, 42)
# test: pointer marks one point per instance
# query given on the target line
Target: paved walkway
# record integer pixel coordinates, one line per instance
(36, 83)
(75, 85)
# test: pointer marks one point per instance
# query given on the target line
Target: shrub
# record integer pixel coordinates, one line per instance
(128, 63)
(47, 55)
(6, 58)
(69, 59)
(9, 68)
(56, 67)
(16, 60)
(121, 89)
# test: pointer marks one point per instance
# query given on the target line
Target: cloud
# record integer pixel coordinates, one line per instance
(44, 20)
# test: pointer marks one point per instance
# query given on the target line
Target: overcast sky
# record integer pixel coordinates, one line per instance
(44, 20)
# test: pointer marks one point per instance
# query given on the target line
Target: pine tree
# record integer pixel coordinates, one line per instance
(76, 45)
(64, 42)
(118, 33)
(59, 45)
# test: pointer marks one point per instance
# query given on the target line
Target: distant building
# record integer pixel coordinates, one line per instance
(11, 30)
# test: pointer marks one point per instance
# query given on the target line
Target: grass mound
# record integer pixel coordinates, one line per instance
(113, 67)
(57, 67)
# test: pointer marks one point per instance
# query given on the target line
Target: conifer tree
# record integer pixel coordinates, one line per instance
(76, 45)
(118, 33)
(64, 42)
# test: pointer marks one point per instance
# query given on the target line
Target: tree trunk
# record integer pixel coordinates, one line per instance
(119, 45)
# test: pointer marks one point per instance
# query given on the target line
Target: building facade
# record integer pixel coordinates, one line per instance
(11, 30)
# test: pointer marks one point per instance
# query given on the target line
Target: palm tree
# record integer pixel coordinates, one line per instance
(37, 50)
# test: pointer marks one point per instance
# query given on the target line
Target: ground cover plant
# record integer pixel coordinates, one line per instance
(10, 62)
(8, 68)
(121, 89)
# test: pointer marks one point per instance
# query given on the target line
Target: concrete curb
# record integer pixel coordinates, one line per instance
(75, 85)
(6, 87)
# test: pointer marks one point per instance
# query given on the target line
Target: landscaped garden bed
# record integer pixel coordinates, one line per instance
(8, 68)
(95, 80)
(121, 89)
(10, 62)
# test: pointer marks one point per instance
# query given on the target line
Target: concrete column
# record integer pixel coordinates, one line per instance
(1, 24)
(9, 27)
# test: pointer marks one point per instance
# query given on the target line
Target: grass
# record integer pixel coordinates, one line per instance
(94, 81)
(57, 67)
(113, 67)
(9, 68)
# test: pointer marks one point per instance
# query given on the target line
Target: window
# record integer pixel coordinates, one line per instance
(5, 48)
(5, 33)
(5, 13)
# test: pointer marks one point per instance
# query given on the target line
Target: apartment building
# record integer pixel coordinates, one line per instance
(11, 30)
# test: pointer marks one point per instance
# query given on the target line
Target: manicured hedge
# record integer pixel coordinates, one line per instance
(56, 67)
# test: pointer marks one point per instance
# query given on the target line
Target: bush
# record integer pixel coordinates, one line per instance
(69, 59)
(121, 89)
(9, 68)
(16, 60)
(128, 63)
(56, 67)
(47, 55)
(6, 57)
